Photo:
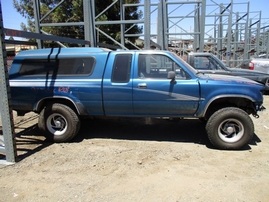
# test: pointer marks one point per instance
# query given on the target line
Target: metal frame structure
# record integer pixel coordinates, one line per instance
(172, 19)
(90, 22)
(231, 29)
(7, 140)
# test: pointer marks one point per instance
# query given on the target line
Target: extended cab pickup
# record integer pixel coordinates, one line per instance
(65, 85)
(210, 64)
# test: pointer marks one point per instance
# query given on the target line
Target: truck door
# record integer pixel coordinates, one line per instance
(117, 85)
(155, 95)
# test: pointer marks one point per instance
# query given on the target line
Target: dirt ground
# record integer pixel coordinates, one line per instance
(136, 160)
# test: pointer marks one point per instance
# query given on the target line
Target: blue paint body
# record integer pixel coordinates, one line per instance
(96, 93)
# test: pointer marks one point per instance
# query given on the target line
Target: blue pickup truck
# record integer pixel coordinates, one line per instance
(65, 85)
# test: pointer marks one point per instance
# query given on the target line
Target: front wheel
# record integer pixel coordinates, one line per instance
(58, 122)
(230, 128)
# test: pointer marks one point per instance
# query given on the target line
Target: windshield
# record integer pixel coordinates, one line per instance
(222, 66)
(207, 62)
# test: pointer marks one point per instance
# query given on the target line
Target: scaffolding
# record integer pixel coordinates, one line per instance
(7, 140)
(182, 25)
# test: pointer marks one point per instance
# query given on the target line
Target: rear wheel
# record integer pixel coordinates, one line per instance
(59, 122)
(230, 128)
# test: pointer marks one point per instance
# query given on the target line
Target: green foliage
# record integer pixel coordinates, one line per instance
(72, 11)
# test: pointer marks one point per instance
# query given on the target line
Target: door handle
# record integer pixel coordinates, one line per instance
(142, 85)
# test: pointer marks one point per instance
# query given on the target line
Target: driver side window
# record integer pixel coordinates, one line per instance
(157, 67)
(205, 63)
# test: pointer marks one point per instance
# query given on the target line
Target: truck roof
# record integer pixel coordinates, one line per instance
(54, 51)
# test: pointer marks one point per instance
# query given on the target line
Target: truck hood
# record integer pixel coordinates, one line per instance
(227, 78)
(257, 76)
(236, 72)
(248, 72)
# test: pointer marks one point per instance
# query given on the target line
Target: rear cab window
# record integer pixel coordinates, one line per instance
(121, 68)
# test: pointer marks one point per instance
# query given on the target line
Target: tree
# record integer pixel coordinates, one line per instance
(131, 13)
(72, 11)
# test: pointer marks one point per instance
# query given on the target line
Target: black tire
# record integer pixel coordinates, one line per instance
(58, 122)
(230, 128)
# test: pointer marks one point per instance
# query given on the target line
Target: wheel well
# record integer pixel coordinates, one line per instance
(49, 101)
(242, 103)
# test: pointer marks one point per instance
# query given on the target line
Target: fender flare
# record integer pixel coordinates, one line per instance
(79, 107)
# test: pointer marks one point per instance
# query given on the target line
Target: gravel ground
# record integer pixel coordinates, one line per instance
(136, 160)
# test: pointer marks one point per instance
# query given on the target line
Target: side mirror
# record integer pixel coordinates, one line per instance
(171, 75)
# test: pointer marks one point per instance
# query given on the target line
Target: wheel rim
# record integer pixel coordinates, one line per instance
(231, 130)
(57, 124)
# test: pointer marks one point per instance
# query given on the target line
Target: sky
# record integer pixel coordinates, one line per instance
(12, 19)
